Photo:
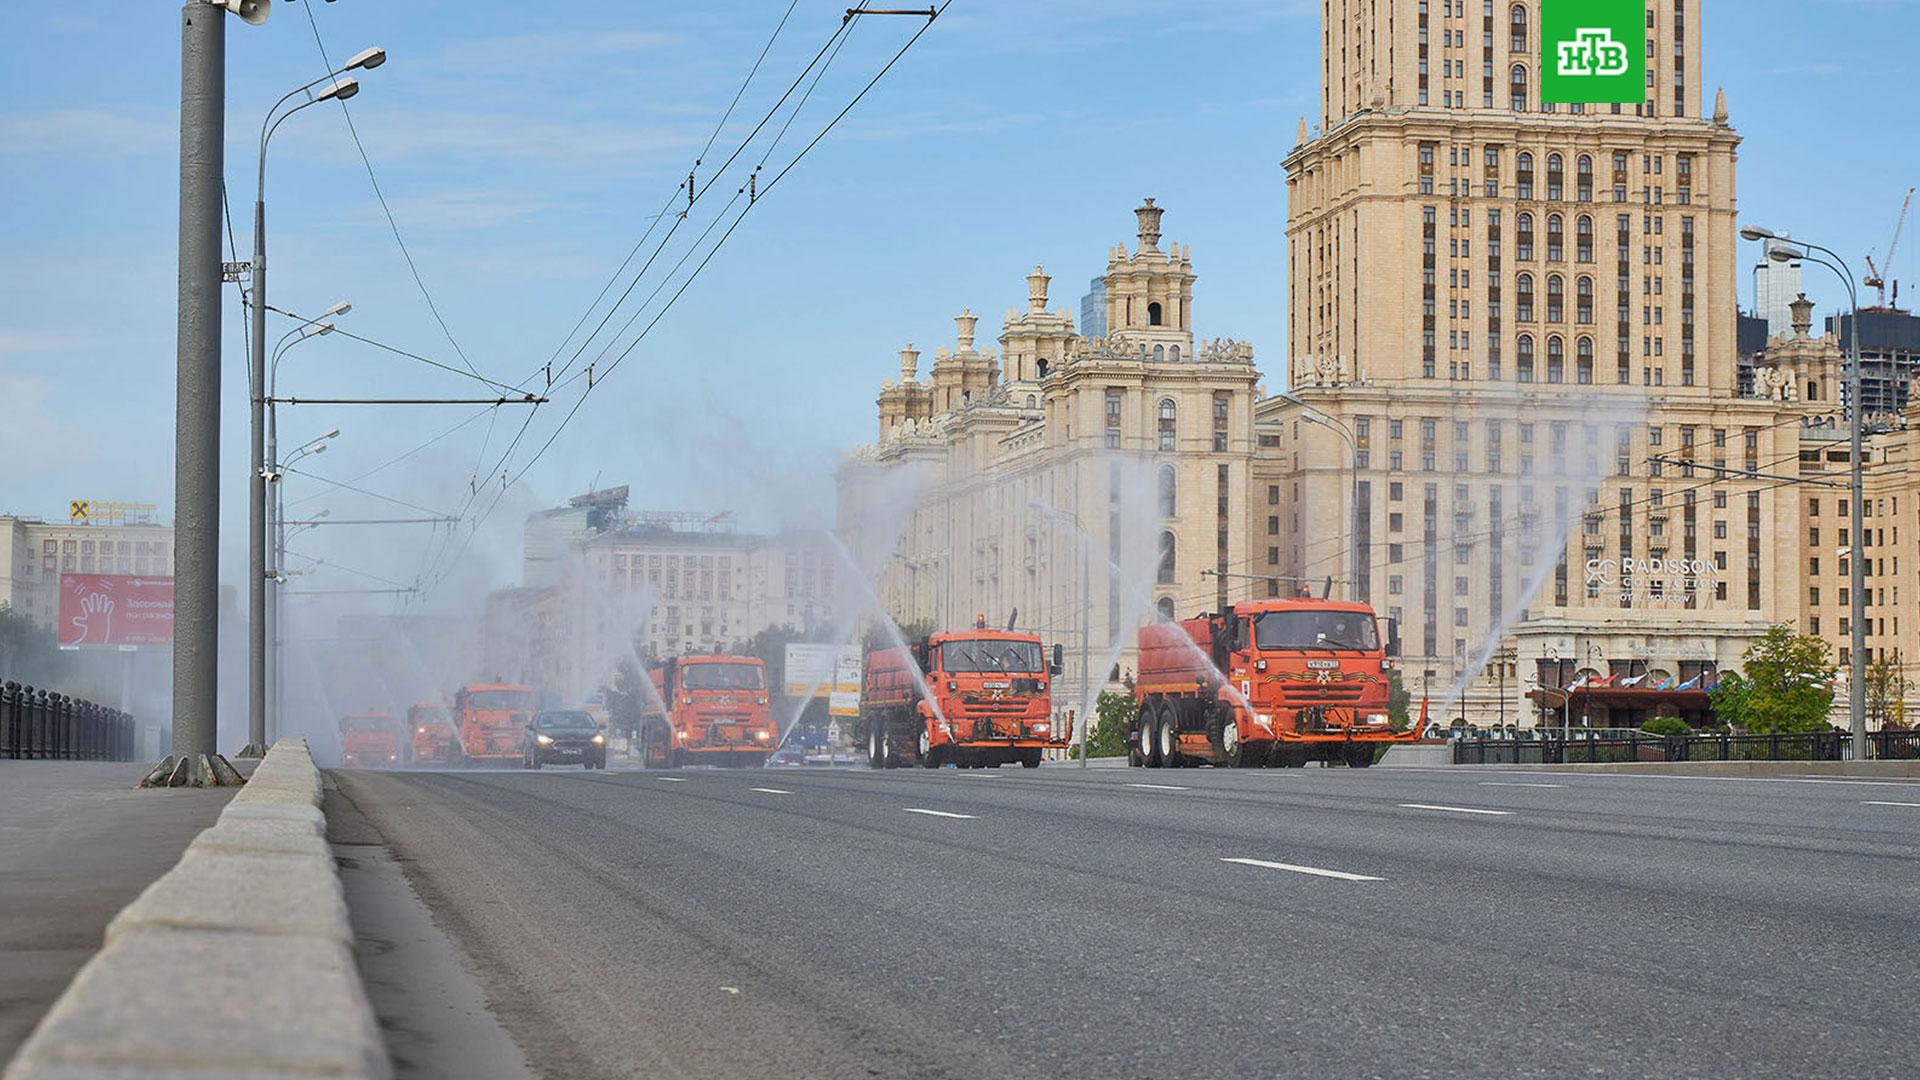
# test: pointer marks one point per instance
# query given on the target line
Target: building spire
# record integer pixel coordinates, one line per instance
(1149, 218)
(909, 364)
(1037, 289)
(963, 324)
(1720, 107)
(1300, 136)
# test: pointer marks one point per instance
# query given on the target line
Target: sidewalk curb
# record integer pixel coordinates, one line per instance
(238, 961)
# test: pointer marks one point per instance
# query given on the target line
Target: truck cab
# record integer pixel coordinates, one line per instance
(369, 740)
(492, 719)
(431, 729)
(974, 698)
(717, 710)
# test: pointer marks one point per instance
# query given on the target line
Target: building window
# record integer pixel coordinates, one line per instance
(1583, 372)
(1556, 359)
(1167, 410)
(1523, 237)
(1556, 177)
(1523, 371)
(1523, 175)
(1523, 298)
(1166, 575)
(1556, 238)
(1222, 410)
(1556, 298)
(1113, 419)
(1168, 490)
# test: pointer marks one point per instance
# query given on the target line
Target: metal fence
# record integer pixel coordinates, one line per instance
(1807, 746)
(45, 725)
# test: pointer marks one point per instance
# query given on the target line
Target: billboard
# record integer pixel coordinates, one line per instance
(1593, 51)
(829, 671)
(104, 611)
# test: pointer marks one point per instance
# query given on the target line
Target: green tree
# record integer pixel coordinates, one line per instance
(29, 654)
(626, 698)
(1113, 712)
(1886, 685)
(1667, 725)
(1786, 685)
(1399, 702)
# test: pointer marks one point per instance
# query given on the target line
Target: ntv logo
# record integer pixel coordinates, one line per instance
(1593, 51)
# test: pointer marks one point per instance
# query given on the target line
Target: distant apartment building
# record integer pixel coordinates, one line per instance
(1889, 358)
(34, 553)
(605, 584)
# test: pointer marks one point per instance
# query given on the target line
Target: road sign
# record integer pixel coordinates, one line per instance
(115, 611)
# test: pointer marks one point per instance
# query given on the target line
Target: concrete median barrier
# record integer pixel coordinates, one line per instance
(237, 962)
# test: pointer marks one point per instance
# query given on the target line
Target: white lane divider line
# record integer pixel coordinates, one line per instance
(934, 813)
(1455, 809)
(1159, 787)
(672, 779)
(1512, 783)
(1315, 871)
(1876, 802)
(772, 790)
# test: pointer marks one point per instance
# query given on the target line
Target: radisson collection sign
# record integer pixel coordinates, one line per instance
(1651, 580)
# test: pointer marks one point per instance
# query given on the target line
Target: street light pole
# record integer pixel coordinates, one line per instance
(257, 482)
(1857, 666)
(194, 759)
(1315, 416)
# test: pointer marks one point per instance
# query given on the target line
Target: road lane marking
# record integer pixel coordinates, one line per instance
(1456, 809)
(1509, 783)
(933, 813)
(1159, 787)
(772, 790)
(1874, 802)
(672, 779)
(1316, 871)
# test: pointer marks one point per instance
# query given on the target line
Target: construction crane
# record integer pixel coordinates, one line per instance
(1875, 278)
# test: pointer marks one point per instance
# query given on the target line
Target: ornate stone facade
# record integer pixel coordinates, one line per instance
(1523, 317)
(1084, 482)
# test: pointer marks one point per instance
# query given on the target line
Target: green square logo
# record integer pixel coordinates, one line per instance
(1593, 51)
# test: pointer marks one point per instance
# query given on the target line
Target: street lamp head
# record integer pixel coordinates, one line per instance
(1781, 254)
(366, 59)
(343, 90)
(333, 433)
(340, 307)
(317, 329)
(1757, 232)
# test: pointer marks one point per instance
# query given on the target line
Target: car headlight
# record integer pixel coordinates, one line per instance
(1265, 720)
(393, 757)
(420, 731)
(599, 740)
(543, 740)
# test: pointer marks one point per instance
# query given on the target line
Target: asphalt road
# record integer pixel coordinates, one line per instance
(1063, 923)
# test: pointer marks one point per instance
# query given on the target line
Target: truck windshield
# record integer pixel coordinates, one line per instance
(500, 699)
(1347, 631)
(431, 716)
(720, 676)
(367, 723)
(989, 655)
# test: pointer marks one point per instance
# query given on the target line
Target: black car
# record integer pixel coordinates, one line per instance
(564, 737)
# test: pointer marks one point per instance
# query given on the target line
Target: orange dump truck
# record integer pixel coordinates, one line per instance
(716, 711)
(987, 703)
(1270, 682)
(434, 738)
(369, 740)
(492, 720)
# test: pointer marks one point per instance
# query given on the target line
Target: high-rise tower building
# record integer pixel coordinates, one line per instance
(1516, 322)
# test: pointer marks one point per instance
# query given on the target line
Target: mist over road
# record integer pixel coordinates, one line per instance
(1100, 923)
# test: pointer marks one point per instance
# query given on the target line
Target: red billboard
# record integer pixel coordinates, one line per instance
(111, 610)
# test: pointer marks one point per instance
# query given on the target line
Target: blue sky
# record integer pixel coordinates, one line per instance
(522, 154)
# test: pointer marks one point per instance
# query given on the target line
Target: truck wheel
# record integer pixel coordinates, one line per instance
(1149, 739)
(1230, 749)
(875, 759)
(1360, 757)
(1030, 759)
(1167, 739)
